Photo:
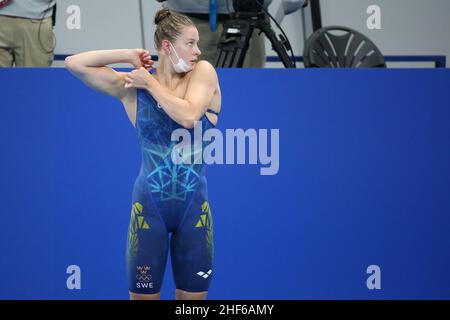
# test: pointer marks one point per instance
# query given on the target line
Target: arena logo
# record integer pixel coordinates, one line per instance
(204, 275)
(186, 152)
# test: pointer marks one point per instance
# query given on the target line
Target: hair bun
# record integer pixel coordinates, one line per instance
(161, 15)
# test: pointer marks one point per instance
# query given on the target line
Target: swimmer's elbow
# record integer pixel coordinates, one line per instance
(189, 121)
(72, 65)
(69, 63)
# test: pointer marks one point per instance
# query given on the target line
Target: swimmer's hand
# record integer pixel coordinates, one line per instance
(141, 58)
(138, 78)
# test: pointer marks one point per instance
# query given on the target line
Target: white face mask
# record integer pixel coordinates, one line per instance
(181, 66)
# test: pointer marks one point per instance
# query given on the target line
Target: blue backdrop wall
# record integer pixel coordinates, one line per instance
(364, 179)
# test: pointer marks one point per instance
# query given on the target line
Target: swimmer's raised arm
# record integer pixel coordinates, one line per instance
(91, 68)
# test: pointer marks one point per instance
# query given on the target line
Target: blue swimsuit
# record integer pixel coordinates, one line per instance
(168, 199)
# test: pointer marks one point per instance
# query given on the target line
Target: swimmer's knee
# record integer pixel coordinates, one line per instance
(140, 296)
(188, 295)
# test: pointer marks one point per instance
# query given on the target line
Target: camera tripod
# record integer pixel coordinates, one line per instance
(235, 39)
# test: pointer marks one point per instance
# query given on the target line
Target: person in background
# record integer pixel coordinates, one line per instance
(26, 33)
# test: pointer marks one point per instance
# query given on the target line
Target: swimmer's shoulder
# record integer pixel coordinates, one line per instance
(205, 69)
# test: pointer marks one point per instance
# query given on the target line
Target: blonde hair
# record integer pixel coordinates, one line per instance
(169, 25)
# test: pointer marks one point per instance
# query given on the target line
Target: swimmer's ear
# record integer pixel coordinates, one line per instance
(166, 47)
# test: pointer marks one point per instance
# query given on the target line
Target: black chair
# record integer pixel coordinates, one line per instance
(341, 47)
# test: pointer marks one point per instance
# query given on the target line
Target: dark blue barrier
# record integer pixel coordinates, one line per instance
(364, 179)
(440, 61)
